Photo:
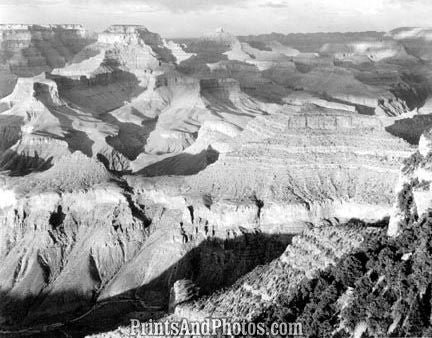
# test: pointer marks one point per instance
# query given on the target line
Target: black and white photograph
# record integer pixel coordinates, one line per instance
(216, 168)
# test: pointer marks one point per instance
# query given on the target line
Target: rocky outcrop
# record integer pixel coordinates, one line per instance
(51, 128)
(303, 164)
(416, 39)
(374, 51)
(426, 109)
(192, 104)
(133, 34)
(129, 77)
(413, 194)
(220, 36)
(182, 291)
(10, 132)
(372, 93)
(64, 233)
(310, 252)
(312, 42)
(178, 51)
(29, 50)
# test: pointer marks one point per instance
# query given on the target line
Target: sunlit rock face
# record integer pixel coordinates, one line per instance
(416, 39)
(303, 165)
(132, 76)
(50, 129)
(414, 195)
(28, 50)
(314, 250)
(120, 34)
(126, 48)
(373, 50)
(64, 232)
(32, 49)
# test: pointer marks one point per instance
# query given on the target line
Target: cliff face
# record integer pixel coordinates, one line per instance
(50, 128)
(64, 233)
(312, 42)
(302, 165)
(416, 40)
(413, 187)
(73, 236)
(132, 76)
(28, 50)
(312, 251)
(373, 50)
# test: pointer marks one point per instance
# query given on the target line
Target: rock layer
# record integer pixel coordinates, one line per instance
(28, 50)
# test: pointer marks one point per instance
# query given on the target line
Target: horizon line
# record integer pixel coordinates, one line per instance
(198, 36)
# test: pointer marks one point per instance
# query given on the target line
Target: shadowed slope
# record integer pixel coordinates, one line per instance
(213, 264)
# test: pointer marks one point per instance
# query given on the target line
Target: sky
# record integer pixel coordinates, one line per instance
(193, 18)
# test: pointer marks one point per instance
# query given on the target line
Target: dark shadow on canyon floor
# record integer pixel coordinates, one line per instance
(212, 265)
(23, 164)
(131, 138)
(101, 93)
(181, 164)
(411, 129)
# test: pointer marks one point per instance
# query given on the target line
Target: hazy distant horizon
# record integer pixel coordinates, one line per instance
(204, 32)
(193, 18)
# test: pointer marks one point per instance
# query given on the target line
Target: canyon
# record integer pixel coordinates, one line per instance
(146, 177)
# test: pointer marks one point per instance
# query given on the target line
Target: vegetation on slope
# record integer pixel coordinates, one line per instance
(384, 286)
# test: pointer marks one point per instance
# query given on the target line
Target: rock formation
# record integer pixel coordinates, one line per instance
(28, 50)
(254, 292)
(416, 39)
(182, 291)
(65, 232)
(413, 188)
(374, 51)
(304, 164)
